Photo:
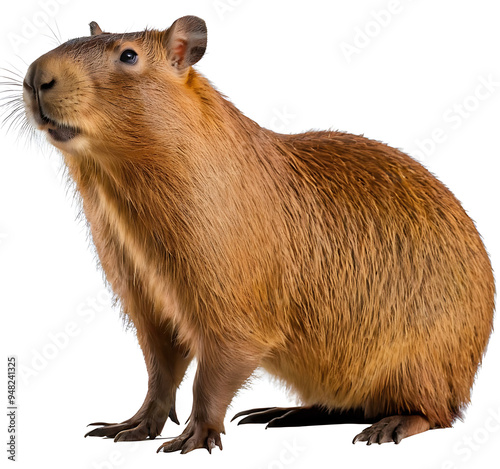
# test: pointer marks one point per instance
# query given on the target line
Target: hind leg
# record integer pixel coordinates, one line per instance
(393, 429)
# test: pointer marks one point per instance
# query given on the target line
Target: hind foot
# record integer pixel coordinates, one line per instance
(273, 416)
(393, 429)
(300, 416)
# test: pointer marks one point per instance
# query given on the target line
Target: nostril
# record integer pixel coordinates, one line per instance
(47, 86)
(28, 86)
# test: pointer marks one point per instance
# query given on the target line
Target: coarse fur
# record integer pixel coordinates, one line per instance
(337, 263)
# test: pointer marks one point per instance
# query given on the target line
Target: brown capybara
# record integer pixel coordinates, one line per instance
(338, 264)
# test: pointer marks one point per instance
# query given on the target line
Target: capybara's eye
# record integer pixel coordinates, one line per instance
(129, 57)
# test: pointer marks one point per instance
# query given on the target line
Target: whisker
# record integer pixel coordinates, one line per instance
(4, 83)
(54, 36)
(12, 113)
(15, 79)
(48, 36)
(14, 71)
(11, 99)
(59, 32)
(16, 121)
(23, 61)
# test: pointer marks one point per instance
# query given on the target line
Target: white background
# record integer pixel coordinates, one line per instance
(283, 63)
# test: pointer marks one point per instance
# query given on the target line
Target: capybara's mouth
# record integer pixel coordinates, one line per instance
(60, 133)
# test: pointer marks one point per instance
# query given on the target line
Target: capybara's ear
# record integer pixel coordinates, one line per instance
(186, 41)
(95, 29)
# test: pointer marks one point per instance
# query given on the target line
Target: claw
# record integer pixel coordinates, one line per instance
(263, 415)
(210, 444)
(172, 445)
(109, 431)
(141, 432)
(173, 415)
(100, 424)
(253, 411)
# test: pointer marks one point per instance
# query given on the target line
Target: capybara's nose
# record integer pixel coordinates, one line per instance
(38, 79)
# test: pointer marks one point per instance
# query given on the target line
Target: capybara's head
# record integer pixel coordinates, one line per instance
(107, 91)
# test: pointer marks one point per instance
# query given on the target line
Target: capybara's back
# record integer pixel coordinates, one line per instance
(337, 263)
(392, 293)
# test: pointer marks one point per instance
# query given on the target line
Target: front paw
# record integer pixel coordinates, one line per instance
(145, 424)
(195, 436)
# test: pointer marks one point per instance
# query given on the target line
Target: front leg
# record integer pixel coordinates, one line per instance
(222, 370)
(166, 362)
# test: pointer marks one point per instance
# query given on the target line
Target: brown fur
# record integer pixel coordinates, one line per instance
(339, 264)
